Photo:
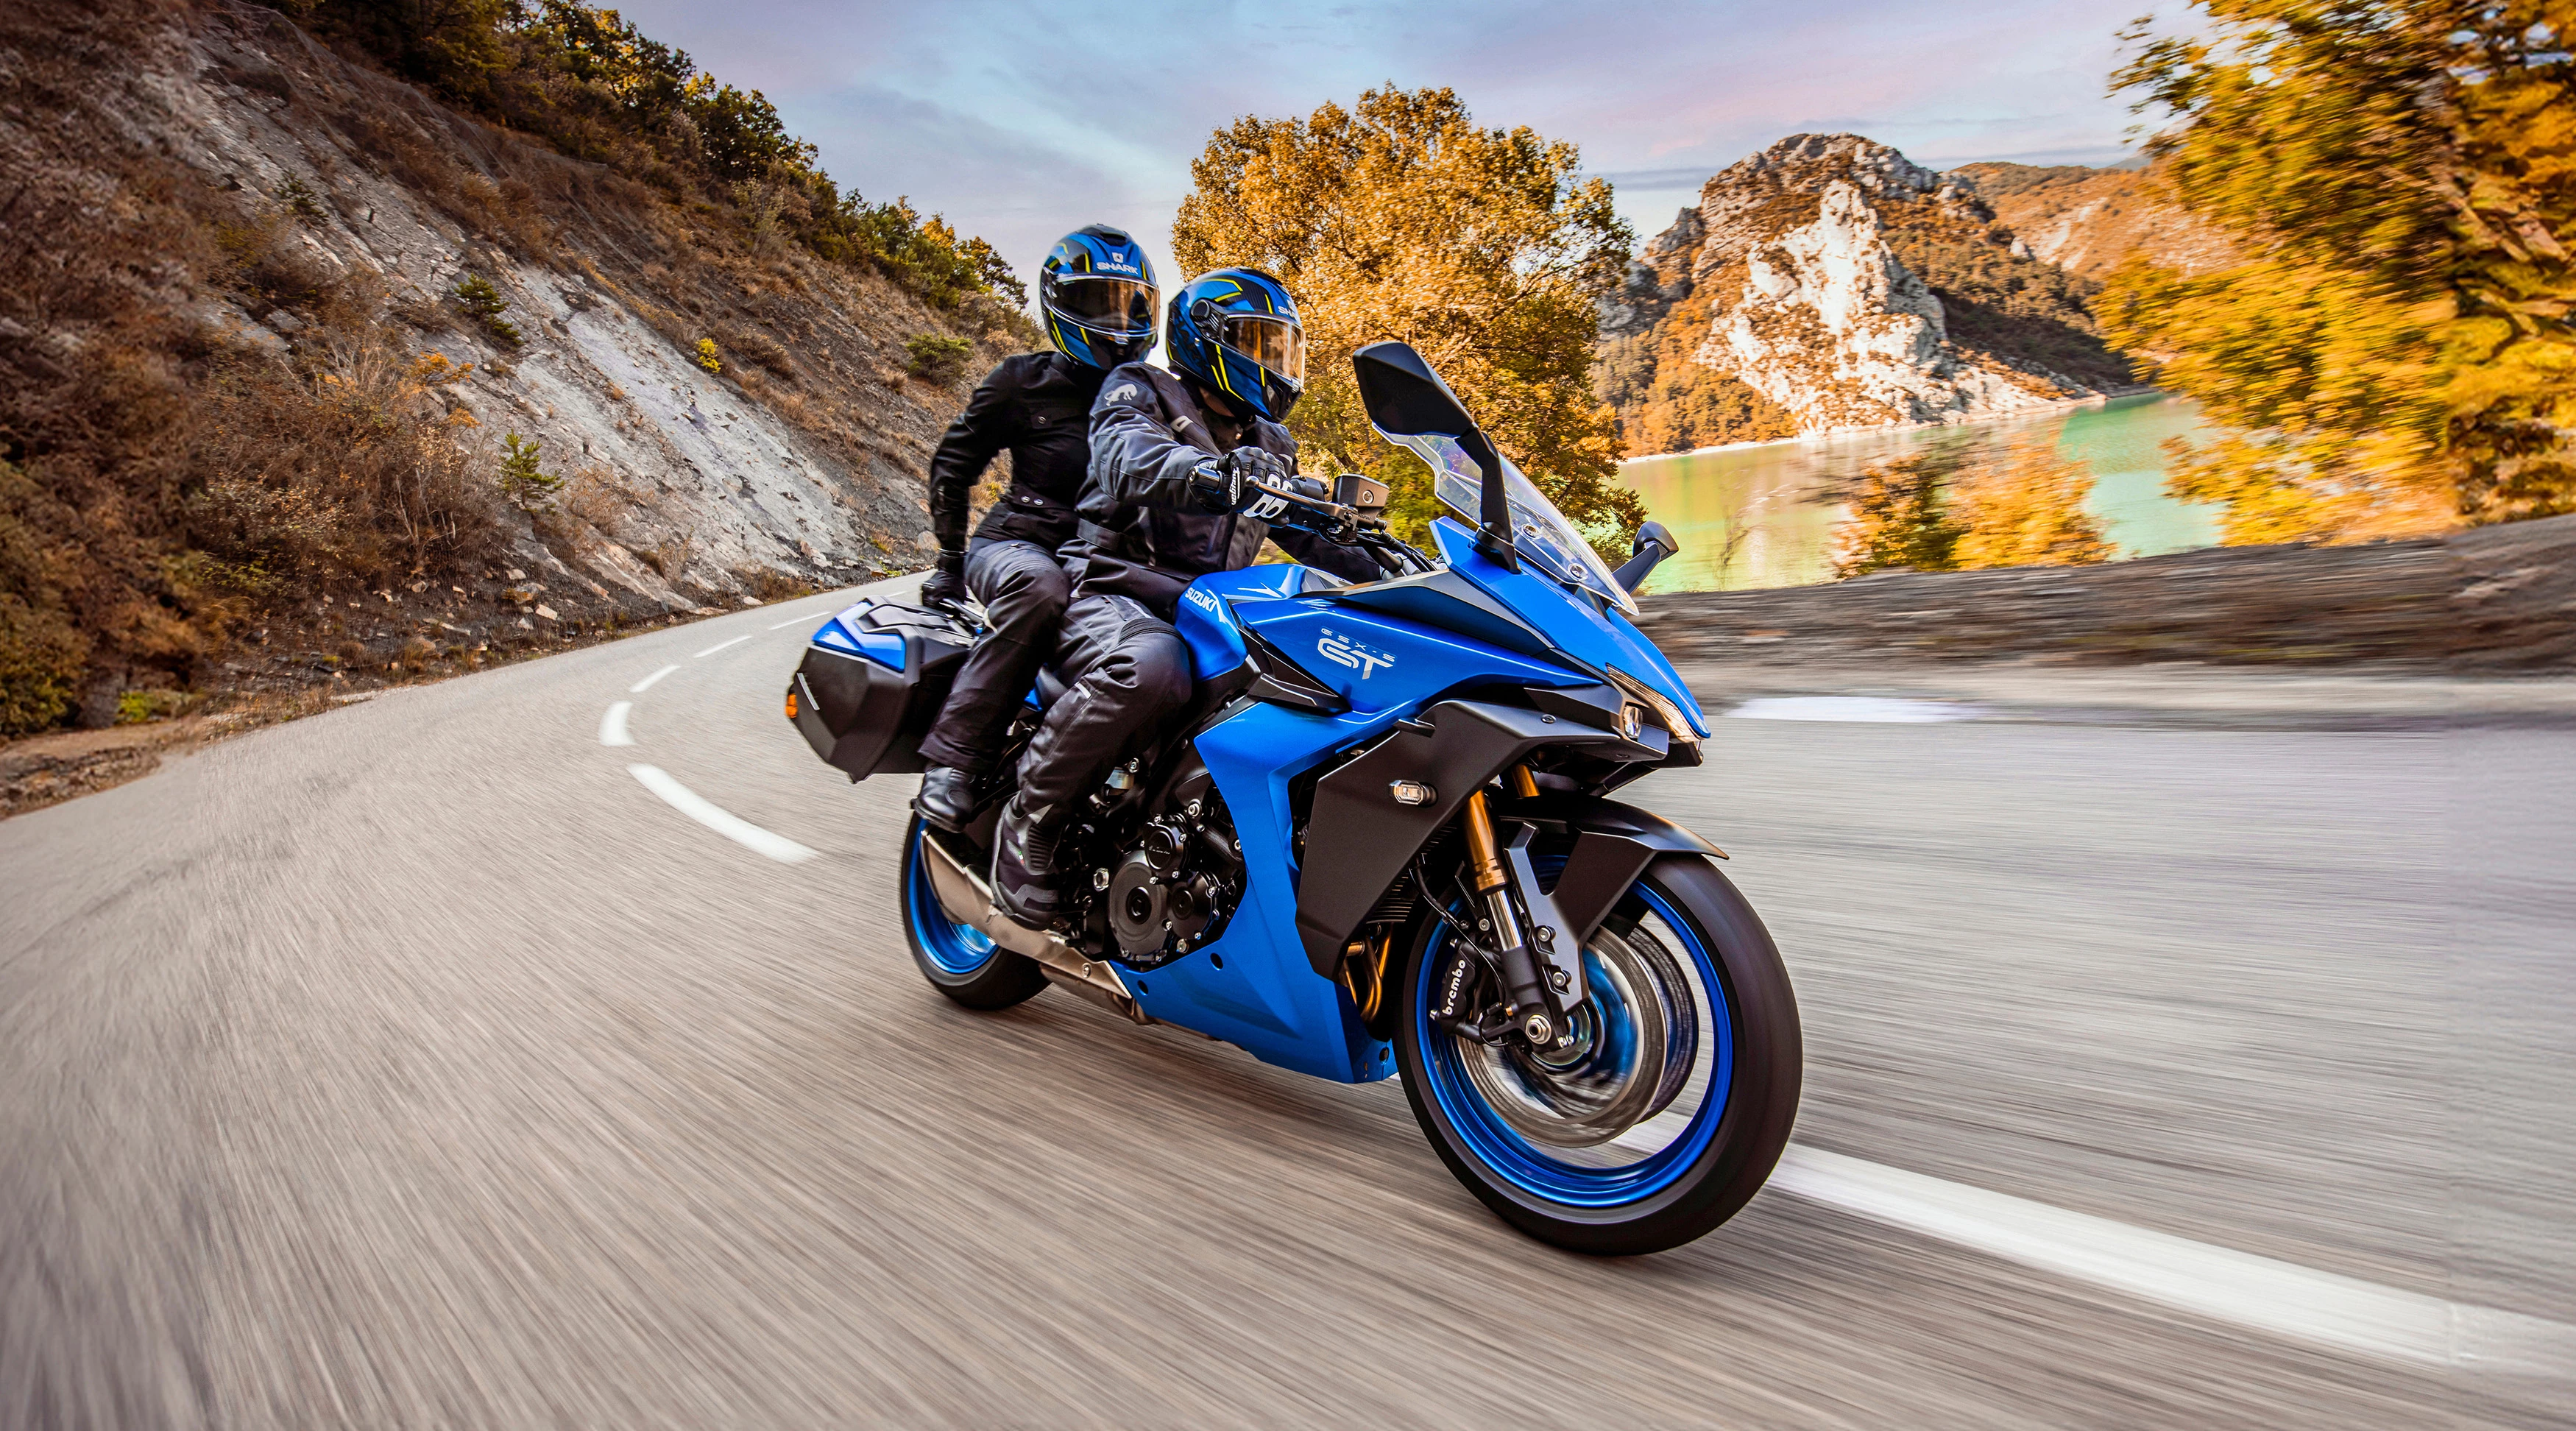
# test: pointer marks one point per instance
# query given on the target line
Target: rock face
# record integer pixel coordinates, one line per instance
(2090, 221)
(794, 456)
(1832, 326)
(1830, 283)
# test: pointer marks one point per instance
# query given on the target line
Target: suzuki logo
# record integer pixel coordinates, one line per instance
(1343, 652)
(1201, 600)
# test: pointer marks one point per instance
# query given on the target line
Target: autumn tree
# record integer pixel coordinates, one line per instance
(2023, 505)
(1969, 503)
(2393, 352)
(1400, 218)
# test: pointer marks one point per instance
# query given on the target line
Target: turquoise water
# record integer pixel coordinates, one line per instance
(1772, 499)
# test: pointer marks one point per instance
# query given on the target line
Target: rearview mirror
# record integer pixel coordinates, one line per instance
(1355, 491)
(1405, 398)
(1654, 543)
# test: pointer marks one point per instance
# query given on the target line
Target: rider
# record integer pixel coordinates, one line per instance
(1172, 463)
(1096, 290)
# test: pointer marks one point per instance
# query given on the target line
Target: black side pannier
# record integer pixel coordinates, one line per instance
(872, 683)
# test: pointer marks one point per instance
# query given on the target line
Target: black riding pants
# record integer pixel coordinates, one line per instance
(1129, 674)
(1024, 593)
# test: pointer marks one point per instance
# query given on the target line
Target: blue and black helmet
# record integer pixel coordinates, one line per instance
(1236, 331)
(1096, 289)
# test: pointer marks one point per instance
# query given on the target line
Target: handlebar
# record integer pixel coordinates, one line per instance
(1334, 522)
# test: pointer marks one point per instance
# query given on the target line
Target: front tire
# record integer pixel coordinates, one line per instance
(1682, 970)
(958, 959)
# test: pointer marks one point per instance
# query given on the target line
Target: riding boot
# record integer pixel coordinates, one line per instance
(1024, 873)
(947, 797)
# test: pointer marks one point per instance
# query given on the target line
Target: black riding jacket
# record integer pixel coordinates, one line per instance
(1143, 533)
(1038, 405)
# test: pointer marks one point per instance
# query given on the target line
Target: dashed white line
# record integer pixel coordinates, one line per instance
(612, 725)
(715, 817)
(798, 620)
(2258, 1292)
(646, 684)
(720, 645)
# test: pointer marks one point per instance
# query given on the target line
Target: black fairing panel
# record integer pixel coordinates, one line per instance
(1358, 838)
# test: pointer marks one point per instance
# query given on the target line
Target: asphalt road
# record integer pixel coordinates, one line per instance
(417, 1065)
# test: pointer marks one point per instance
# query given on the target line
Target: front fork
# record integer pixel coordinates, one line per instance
(1541, 970)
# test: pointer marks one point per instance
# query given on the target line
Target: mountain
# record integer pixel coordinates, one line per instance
(306, 370)
(2090, 221)
(1829, 283)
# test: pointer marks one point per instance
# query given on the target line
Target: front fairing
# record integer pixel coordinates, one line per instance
(1577, 624)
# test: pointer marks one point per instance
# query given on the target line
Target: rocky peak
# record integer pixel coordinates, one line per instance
(1828, 282)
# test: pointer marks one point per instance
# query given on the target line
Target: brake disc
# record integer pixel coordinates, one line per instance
(1627, 1054)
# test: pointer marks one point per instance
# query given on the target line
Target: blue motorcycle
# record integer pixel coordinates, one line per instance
(1383, 842)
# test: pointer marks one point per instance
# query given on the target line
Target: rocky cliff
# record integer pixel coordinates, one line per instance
(1830, 283)
(278, 331)
(2089, 221)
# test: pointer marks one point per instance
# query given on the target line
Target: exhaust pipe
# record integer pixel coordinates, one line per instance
(966, 898)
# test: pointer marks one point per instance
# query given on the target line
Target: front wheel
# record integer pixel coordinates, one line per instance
(1672, 1098)
(958, 959)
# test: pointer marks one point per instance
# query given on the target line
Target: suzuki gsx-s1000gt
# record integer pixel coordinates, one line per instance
(1382, 841)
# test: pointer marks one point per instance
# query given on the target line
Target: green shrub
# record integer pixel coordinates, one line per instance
(530, 489)
(41, 658)
(301, 201)
(484, 304)
(143, 707)
(937, 359)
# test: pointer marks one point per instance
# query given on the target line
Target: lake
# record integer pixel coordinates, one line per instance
(1774, 493)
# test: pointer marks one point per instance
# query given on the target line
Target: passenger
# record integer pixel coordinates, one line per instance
(1097, 292)
(1172, 460)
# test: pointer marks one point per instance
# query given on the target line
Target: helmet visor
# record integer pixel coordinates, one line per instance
(1274, 343)
(1107, 305)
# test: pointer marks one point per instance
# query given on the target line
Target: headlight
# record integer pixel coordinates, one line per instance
(1675, 724)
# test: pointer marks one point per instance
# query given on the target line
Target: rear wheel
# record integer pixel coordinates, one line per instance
(1672, 1099)
(958, 959)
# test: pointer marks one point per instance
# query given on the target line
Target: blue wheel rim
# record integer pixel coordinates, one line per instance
(951, 947)
(1531, 1169)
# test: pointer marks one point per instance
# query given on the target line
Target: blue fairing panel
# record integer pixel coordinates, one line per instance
(1254, 987)
(1579, 625)
(1206, 620)
(844, 633)
(1377, 662)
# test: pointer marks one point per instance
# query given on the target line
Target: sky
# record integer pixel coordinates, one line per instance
(1019, 122)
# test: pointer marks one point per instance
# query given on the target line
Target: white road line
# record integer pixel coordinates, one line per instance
(646, 684)
(794, 620)
(720, 645)
(2258, 1292)
(715, 817)
(612, 725)
(1851, 708)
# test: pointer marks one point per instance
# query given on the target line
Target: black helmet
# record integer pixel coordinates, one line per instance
(1096, 289)
(1236, 331)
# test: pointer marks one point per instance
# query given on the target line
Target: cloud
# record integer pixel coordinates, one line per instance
(1020, 122)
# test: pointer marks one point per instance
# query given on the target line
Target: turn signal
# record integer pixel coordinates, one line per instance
(1411, 792)
(791, 705)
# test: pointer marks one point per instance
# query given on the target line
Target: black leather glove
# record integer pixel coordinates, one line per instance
(1222, 484)
(946, 587)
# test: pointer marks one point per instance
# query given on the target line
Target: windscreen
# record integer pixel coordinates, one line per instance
(1540, 533)
(1274, 344)
(1111, 305)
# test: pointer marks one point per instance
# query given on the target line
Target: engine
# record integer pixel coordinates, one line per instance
(1172, 890)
